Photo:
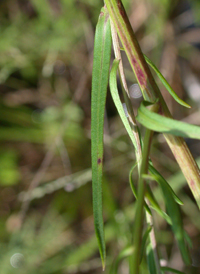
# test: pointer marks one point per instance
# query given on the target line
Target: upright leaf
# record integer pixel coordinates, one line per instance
(101, 65)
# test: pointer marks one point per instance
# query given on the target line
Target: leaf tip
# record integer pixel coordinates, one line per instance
(103, 264)
(186, 105)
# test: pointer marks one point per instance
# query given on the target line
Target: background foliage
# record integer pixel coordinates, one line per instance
(46, 51)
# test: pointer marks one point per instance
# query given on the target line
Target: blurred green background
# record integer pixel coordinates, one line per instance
(46, 51)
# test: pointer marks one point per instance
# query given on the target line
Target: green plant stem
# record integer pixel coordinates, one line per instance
(139, 218)
(151, 92)
(152, 237)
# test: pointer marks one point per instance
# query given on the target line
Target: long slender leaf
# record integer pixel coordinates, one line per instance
(117, 101)
(169, 269)
(174, 213)
(150, 260)
(144, 240)
(118, 104)
(149, 195)
(139, 215)
(163, 124)
(161, 181)
(166, 84)
(101, 65)
(122, 255)
(133, 188)
(154, 204)
(129, 251)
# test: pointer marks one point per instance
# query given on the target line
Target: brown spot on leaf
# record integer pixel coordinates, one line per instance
(99, 161)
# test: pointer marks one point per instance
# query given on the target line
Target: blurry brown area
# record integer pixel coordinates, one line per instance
(46, 51)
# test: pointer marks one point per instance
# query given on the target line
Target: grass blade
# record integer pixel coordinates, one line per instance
(163, 124)
(139, 215)
(151, 260)
(118, 104)
(122, 255)
(166, 84)
(133, 188)
(129, 251)
(154, 204)
(169, 269)
(162, 182)
(174, 213)
(100, 73)
(144, 240)
(149, 195)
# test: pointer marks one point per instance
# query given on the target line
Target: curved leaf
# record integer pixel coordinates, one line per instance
(150, 197)
(169, 269)
(117, 101)
(133, 188)
(166, 84)
(162, 182)
(163, 124)
(174, 213)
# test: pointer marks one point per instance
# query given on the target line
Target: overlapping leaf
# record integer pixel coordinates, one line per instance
(118, 104)
(174, 213)
(163, 124)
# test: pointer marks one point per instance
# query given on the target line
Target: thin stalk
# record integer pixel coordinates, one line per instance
(135, 129)
(152, 237)
(151, 92)
(139, 217)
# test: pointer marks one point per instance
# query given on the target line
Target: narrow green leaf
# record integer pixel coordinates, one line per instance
(154, 204)
(169, 269)
(188, 239)
(122, 255)
(129, 251)
(174, 213)
(139, 215)
(163, 124)
(117, 101)
(161, 181)
(100, 73)
(150, 197)
(166, 84)
(144, 240)
(150, 260)
(133, 188)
